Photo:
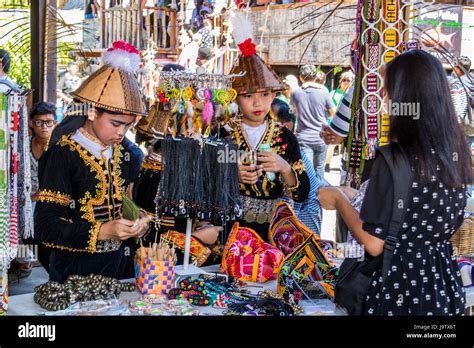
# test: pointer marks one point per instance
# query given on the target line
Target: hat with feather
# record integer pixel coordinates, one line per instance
(259, 77)
(114, 87)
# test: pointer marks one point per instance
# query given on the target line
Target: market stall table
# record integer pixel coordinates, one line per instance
(25, 305)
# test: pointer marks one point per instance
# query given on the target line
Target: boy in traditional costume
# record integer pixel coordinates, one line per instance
(84, 175)
(265, 176)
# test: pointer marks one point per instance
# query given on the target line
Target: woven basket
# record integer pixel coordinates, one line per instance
(154, 277)
(463, 239)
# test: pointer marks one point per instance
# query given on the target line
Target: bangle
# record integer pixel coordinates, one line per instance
(198, 300)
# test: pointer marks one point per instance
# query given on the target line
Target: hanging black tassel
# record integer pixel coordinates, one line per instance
(198, 182)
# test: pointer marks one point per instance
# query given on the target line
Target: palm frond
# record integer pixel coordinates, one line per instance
(318, 29)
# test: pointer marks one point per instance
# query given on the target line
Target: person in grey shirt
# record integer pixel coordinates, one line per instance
(311, 102)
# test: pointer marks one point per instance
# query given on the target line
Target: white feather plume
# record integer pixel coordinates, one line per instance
(242, 28)
(121, 59)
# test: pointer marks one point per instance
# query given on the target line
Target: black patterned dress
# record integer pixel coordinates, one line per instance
(423, 277)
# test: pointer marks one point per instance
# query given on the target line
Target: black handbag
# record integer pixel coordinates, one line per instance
(355, 274)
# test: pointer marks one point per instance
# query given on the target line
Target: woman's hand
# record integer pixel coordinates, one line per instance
(348, 191)
(329, 197)
(273, 163)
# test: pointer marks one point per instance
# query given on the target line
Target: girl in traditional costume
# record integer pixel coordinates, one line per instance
(265, 176)
(84, 175)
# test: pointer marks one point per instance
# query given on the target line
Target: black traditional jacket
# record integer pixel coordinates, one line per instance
(78, 192)
(282, 142)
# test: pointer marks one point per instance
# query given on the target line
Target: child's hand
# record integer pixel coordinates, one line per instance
(120, 229)
(123, 229)
(249, 174)
(208, 234)
(141, 225)
(273, 163)
(329, 137)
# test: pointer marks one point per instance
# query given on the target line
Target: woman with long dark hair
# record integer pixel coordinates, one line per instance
(423, 277)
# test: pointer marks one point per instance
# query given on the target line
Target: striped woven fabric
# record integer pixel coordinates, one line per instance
(247, 257)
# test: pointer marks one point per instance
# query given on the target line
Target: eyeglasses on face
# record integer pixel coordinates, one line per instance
(41, 123)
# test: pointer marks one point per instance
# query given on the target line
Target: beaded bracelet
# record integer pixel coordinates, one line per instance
(198, 300)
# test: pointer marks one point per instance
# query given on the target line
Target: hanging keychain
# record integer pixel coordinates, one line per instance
(208, 110)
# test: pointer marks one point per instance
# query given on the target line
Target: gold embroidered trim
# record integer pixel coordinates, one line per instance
(242, 142)
(298, 167)
(267, 137)
(94, 234)
(91, 244)
(150, 164)
(49, 196)
(118, 181)
(88, 202)
(148, 212)
(92, 138)
(293, 188)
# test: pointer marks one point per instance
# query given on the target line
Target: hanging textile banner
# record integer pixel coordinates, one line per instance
(15, 184)
(379, 39)
(392, 45)
(4, 232)
(12, 112)
(367, 100)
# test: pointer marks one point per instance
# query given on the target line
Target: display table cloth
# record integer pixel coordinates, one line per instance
(25, 305)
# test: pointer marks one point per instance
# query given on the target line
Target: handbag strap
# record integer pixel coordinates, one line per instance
(402, 177)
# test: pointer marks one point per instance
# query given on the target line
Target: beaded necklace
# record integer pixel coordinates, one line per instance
(28, 231)
(3, 204)
(25, 216)
(12, 113)
(92, 138)
(53, 296)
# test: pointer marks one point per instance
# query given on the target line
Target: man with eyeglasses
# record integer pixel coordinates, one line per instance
(41, 124)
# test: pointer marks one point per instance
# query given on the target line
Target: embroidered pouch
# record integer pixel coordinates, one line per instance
(199, 252)
(247, 257)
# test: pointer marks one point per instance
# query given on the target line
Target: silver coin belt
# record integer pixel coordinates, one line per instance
(107, 246)
(257, 210)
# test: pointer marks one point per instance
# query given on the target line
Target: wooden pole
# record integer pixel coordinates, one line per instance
(180, 22)
(37, 14)
(173, 29)
(103, 24)
(51, 55)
